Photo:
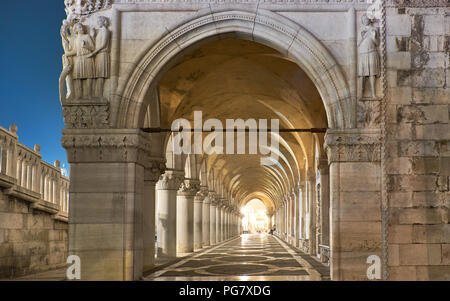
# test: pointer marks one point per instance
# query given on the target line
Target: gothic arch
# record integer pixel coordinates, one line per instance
(263, 27)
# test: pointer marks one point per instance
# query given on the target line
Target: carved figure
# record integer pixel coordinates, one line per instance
(369, 60)
(101, 54)
(66, 77)
(84, 66)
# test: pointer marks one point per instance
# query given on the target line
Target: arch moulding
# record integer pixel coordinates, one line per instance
(263, 27)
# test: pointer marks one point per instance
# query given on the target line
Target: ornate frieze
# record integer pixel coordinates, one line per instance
(419, 3)
(76, 9)
(95, 116)
(108, 146)
(353, 145)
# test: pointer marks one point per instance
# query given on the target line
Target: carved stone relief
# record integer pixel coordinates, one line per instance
(86, 60)
(369, 66)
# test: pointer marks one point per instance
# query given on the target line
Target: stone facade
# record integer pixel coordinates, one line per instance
(33, 210)
(417, 138)
(375, 74)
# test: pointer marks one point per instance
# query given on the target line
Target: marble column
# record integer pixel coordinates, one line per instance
(185, 215)
(151, 177)
(222, 221)
(311, 188)
(302, 209)
(198, 218)
(218, 222)
(295, 193)
(206, 231)
(324, 203)
(213, 218)
(167, 188)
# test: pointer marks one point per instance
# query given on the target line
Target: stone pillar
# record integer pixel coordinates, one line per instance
(222, 222)
(324, 203)
(295, 216)
(206, 231)
(355, 186)
(311, 188)
(185, 215)
(213, 218)
(106, 201)
(302, 210)
(166, 189)
(218, 222)
(198, 218)
(151, 176)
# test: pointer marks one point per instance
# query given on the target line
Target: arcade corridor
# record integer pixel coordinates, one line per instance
(251, 257)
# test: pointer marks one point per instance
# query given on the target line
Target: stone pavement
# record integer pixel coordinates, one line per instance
(251, 257)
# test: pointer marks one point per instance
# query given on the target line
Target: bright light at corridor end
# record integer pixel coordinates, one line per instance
(255, 218)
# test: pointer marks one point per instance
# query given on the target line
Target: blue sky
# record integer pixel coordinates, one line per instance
(30, 64)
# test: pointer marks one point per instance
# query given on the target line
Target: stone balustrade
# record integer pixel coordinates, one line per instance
(24, 175)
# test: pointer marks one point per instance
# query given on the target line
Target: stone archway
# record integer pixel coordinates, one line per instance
(114, 171)
(263, 27)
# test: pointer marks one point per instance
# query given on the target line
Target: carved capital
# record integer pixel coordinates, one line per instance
(189, 187)
(89, 116)
(108, 145)
(202, 195)
(170, 180)
(156, 167)
(353, 145)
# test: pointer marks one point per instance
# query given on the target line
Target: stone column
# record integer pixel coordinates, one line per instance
(324, 203)
(198, 218)
(295, 192)
(151, 176)
(213, 218)
(311, 188)
(106, 201)
(302, 209)
(166, 189)
(206, 232)
(185, 215)
(218, 222)
(222, 221)
(355, 186)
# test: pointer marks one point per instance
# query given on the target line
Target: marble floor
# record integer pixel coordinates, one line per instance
(251, 257)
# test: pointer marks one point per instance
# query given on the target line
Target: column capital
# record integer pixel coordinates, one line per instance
(156, 167)
(311, 175)
(170, 180)
(353, 145)
(202, 195)
(109, 146)
(189, 187)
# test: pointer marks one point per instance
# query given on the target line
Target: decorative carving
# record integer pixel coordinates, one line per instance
(368, 57)
(102, 56)
(170, 180)
(76, 9)
(86, 60)
(86, 116)
(189, 187)
(421, 3)
(156, 168)
(353, 146)
(202, 194)
(369, 114)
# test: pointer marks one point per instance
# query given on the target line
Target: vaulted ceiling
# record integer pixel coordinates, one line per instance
(231, 79)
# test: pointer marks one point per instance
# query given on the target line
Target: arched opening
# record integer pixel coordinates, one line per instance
(255, 219)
